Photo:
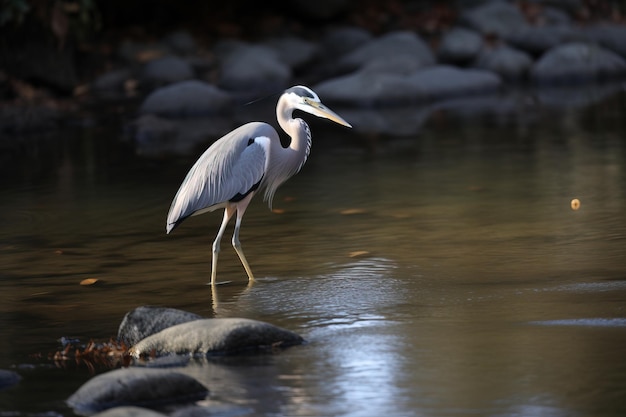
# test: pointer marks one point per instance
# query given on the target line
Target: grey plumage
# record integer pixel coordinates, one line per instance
(245, 161)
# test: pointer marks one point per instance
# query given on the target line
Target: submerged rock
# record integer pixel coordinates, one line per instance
(147, 320)
(136, 387)
(215, 336)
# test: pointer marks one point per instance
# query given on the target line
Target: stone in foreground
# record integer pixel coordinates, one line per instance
(148, 320)
(129, 412)
(215, 336)
(140, 387)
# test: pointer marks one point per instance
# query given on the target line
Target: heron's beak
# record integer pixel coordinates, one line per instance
(321, 110)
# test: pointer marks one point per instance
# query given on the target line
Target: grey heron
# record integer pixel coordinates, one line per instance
(245, 161)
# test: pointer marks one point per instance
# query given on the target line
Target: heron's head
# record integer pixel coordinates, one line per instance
(305, 99)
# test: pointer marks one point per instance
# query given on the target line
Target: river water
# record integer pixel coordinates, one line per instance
(433, 272)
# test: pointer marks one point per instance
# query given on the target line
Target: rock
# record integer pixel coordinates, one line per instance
(8, 379)
(214, 409)
(147, 320)
(495, 18)
(294, 52)
(112, 81)
(446, 81)
(253, 69)
(136, 387)
(577, 62)
(166, 70)
(215, 336)
(387, 47)
(129, 412)
(340, 41)
(538, 39)
(185, 99)
(460, 45)
(367, 89)
(555, 16)
(610, 36)
(508, 62)
(401, 64)
(181, 43)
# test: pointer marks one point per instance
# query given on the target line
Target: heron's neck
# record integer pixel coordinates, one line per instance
(297, 129)
(286, 162)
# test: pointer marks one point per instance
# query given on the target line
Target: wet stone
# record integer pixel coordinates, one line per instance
(129, 412)
(147, 320)
(215, 336)
(140, 387)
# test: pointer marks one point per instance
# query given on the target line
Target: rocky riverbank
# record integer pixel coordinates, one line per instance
(491, 50)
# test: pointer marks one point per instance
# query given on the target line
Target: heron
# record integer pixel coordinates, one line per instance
(248, 160)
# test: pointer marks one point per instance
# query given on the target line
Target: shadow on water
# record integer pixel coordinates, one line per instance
(434, 273)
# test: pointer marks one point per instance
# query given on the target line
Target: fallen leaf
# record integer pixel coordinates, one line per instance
(89, 281)
(352, 211)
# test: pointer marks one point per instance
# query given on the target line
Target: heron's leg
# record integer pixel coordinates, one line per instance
(241, 209)
(228, 213)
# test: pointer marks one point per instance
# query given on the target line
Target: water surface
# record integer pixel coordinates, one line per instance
(440, 272)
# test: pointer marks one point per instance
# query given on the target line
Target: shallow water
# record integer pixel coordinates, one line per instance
(438, 273)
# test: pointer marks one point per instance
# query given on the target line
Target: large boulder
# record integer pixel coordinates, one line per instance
(186, 99)
(215, 336)
(148, 320)
(577, 62)
(140, 387)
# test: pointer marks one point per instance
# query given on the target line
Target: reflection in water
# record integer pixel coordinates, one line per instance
(475, 288)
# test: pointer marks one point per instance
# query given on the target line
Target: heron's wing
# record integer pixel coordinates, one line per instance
(229, 170)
